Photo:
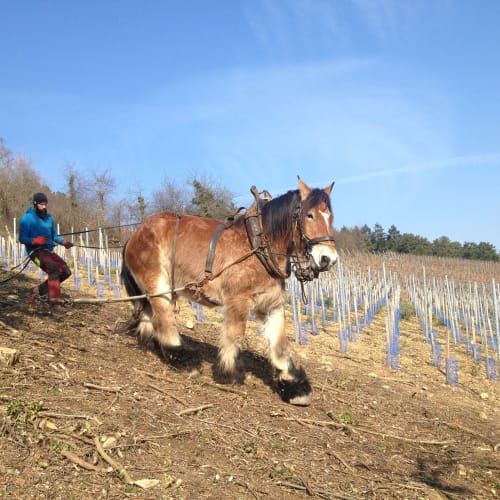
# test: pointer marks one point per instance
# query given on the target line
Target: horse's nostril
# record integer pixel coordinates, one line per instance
(325, 261)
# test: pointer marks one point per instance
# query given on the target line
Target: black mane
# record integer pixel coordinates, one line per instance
(277, 214)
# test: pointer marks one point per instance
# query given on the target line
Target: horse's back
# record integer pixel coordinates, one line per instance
(180, 244)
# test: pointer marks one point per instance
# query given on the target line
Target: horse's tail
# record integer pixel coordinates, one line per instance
(141, 306)
(127, 279)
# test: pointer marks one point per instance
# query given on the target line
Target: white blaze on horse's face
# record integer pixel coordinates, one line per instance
(317, 224)
(324, 254)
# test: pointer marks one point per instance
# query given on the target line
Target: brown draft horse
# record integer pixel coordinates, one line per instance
(169, 255)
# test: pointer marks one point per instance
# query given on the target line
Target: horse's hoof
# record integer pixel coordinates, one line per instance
(296, 391)
(224, 377)
(304, 400)
(182, 357)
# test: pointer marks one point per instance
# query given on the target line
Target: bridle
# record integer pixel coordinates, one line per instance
(304, 272)
(300, 264)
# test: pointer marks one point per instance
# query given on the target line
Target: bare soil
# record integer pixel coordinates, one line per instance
(86, 412)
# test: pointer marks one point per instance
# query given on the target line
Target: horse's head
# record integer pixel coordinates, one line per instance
(314, 220)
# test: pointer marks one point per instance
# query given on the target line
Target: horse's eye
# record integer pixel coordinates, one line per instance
(310, 216)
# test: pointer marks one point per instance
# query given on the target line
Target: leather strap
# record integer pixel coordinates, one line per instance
(211, 249)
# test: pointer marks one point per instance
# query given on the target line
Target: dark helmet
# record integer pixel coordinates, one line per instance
(39, 198)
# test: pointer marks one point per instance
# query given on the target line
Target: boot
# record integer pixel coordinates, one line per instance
(57, 309)
(34, 296)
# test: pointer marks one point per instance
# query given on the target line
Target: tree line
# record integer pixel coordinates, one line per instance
(89, 198)
(89, 201)
(377, 240)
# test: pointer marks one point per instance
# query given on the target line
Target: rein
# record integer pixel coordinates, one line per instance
(305, 273)
(24, 265)
(262, 246)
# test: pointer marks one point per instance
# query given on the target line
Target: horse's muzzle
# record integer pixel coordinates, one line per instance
(323, 259)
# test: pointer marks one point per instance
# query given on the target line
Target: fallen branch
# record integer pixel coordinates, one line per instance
(79, 461)
(78, 437)
(468, 431)
(153, 375)
(225, 389)
(62, 415)
(188, 411)
(122, 473)
(322, 423)
(163, 391)
(115, 399)
(305, 487)
(340, 459)
(101, 388)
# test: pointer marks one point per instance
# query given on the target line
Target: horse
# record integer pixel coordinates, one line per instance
(241, 265)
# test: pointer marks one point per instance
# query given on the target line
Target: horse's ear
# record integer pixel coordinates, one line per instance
(303, 188)
(328, 189)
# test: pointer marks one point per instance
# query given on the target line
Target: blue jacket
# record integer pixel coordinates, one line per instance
(31, 226)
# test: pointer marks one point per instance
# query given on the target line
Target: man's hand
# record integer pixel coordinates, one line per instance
(67, 244)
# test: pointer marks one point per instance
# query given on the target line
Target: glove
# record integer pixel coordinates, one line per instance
(67, 244)
(39, 240)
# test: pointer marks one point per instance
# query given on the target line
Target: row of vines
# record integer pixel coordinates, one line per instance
(457, 302)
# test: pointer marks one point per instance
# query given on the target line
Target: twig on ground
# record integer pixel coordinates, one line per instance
(170, 395)
(153, 375)
(340, 459)
(225, 389)
(79, 461)
(188, 411)
(305, 487)
(468, 431)
(78, 437)
(122, 473)
(101, 388)
(247, 486)
(115, 399)
(363, 429)
(62, 415)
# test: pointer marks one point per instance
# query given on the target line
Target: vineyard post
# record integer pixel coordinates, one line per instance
(495, 307)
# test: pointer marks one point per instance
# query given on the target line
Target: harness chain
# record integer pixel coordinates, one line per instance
(172, 262)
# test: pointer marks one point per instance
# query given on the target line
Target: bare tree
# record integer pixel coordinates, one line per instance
(103, 186)
(171, 198)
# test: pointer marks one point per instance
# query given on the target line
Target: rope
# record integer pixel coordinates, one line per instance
(101, 229)
(123, 299)
(24, 264)
(188, 286)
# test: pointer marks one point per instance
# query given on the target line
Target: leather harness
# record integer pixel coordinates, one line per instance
(260, 246)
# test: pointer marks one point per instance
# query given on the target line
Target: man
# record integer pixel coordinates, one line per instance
(37, 232)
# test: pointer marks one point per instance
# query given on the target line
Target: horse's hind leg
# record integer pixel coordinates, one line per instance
(170, 342)
(164, 325)
(293, 385)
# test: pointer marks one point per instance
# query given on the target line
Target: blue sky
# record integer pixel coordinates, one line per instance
(398, 102)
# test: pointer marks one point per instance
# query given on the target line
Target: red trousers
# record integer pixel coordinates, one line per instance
(57, 271)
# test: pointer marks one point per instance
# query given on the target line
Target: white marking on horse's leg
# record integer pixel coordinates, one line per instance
(292, 382)
(232, 333)
(227, 356)
(274, 332)
(163, 321)
(145, 328)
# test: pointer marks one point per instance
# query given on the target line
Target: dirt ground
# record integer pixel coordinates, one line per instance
(87, 413)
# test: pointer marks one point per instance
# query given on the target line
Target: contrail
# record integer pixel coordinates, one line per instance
(459, 161)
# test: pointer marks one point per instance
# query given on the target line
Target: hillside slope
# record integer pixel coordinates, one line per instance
(371, 432)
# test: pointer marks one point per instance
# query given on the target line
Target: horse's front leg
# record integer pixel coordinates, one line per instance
(293, 385)
(228, 369)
